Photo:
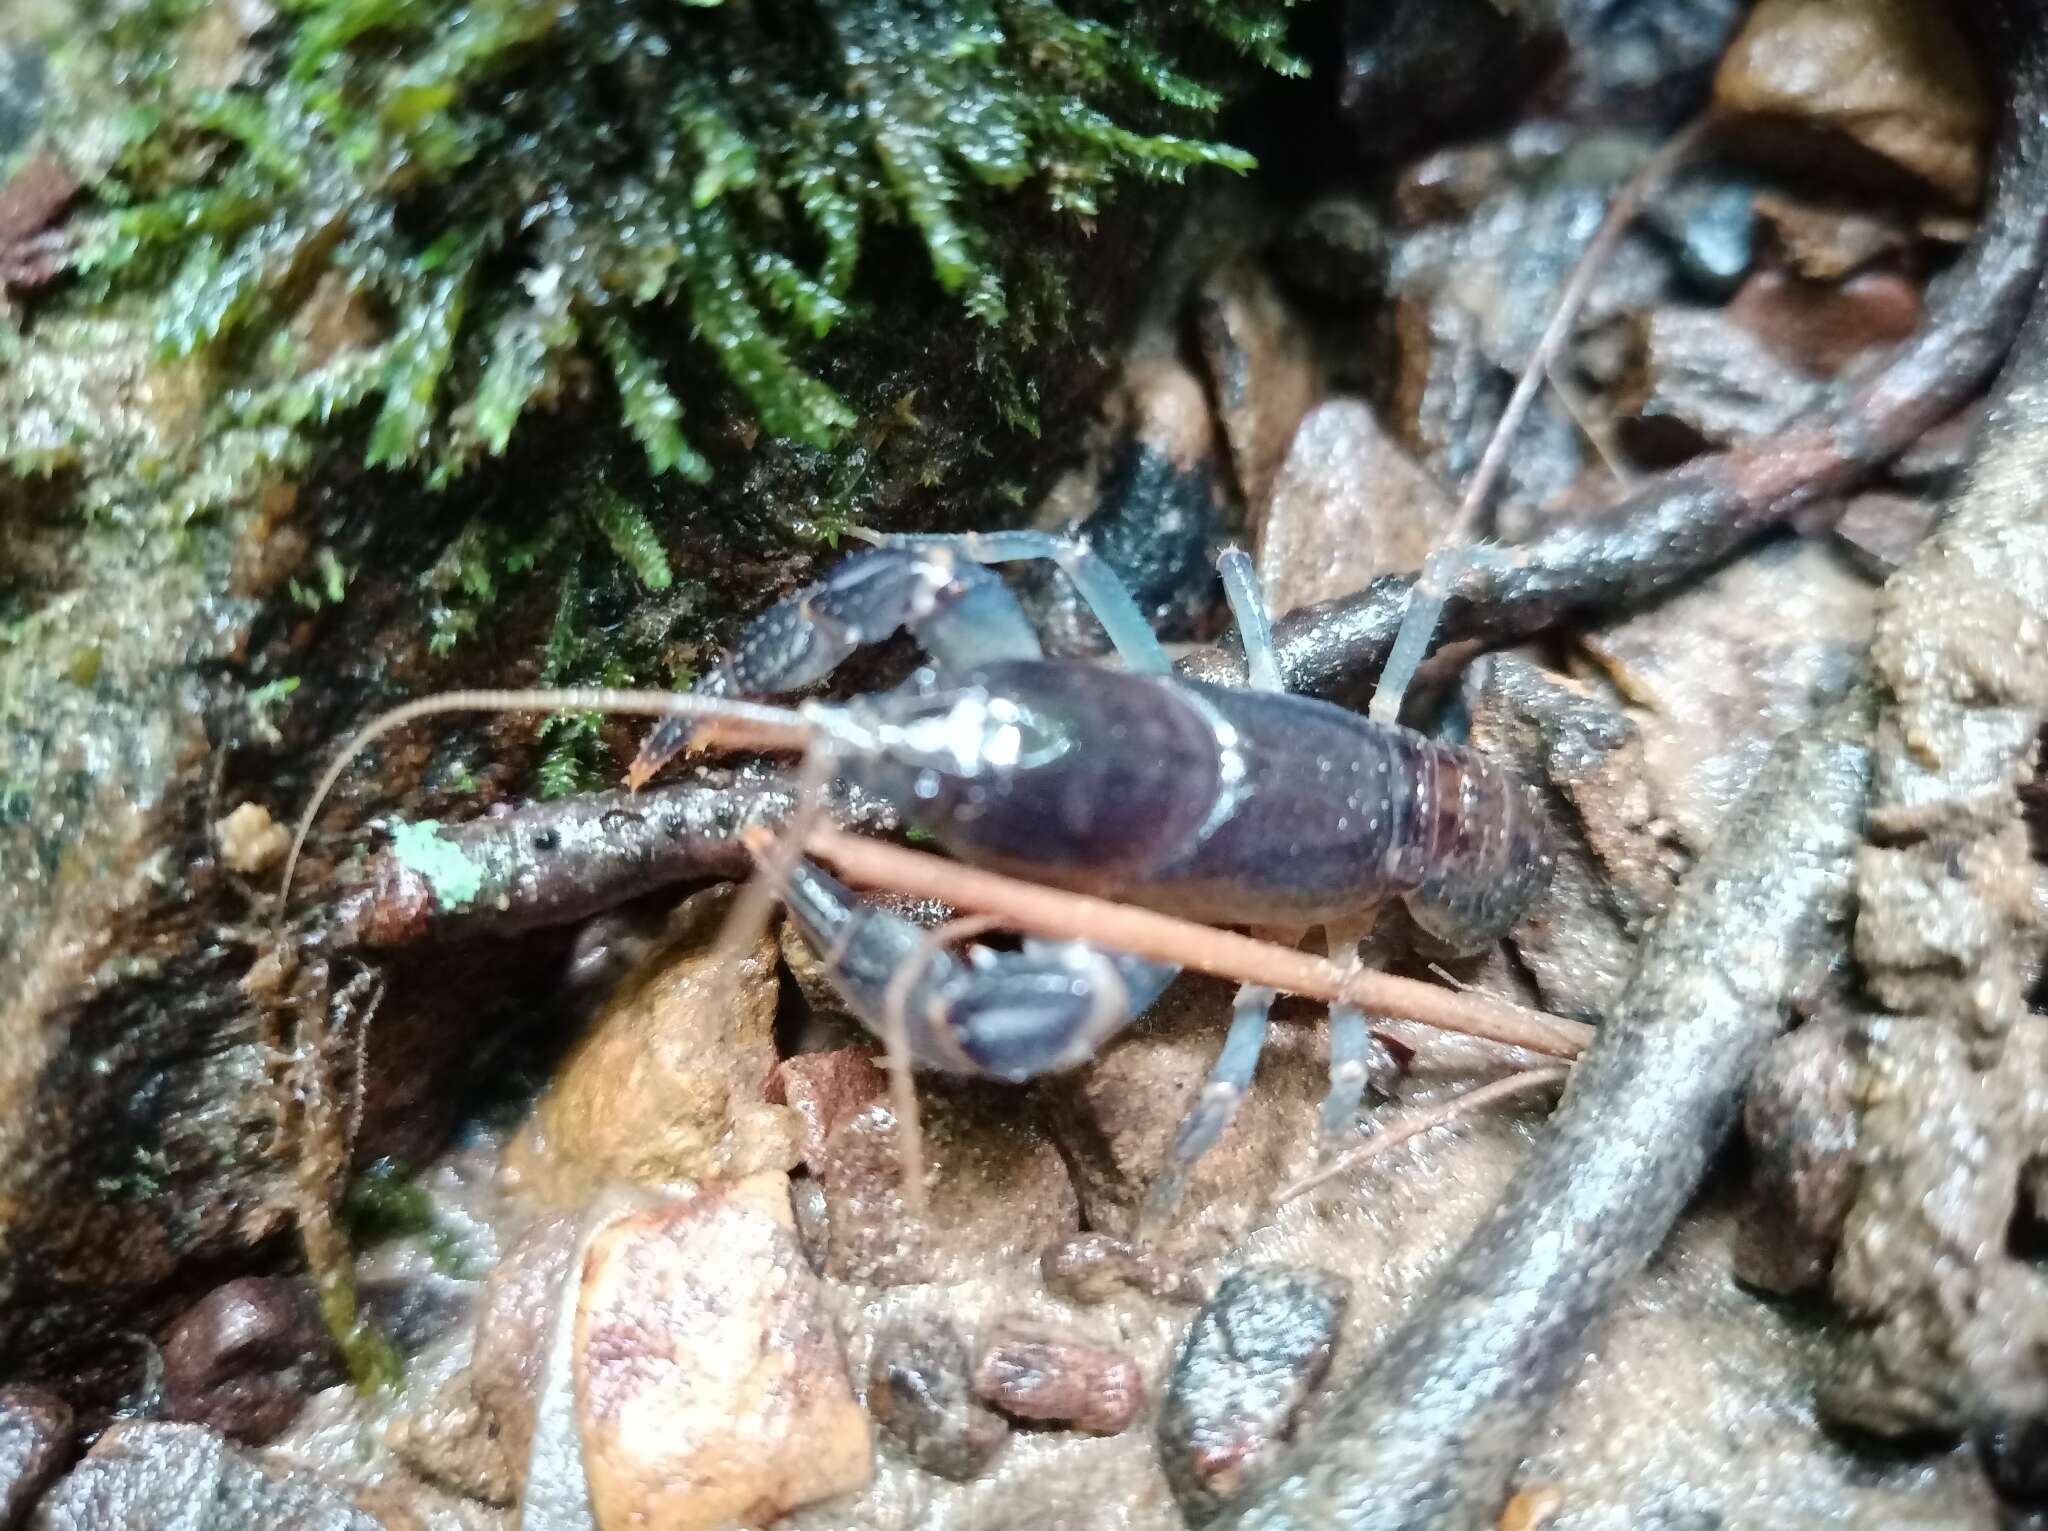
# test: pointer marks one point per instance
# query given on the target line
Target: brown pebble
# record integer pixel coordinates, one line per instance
(1822, 327)
(245, 1357)
(918, 1391)
(1531, 1508)
(1098, 1267)
(1036, 1373)
(825, 1089)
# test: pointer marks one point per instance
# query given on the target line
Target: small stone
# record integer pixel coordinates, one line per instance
(1447, 184)
(522, 1304)
(245, 1357)
(1893, 79)
(1263, 369)
(1879, 530)
(710, 1382)
(1531, 1508)
(1252, 1357)
(1822, 327)
(1099, 1267)
(1347, 505)
(1336, 250)
(1703, 380)
(996, 1189)
(1152, 512)
(35, 1440)
(825, 1090)
(1800, 1119)
(455, 1443)
(1710, 221)
(251, 841)
(918, 1391)
(176, 1477)
(1827, 240)
(1032, 1372)
(670, 1081)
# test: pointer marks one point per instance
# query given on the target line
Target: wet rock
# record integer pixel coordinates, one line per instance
(1710, 220)
(1827, 240)
(1879, 531)
(710, 1383)
(23, 67)
(1639, 62)
(1701, 381)
(176, 1477)
(1800, 1119)
(1252, 1357)
(919, 1392)
(1471, 301)
(1263, 370)
(2015, 1458)
(1616, 866)
(1116, 1117)
(1347, 505)
(35, 1442)
(670, 1081)
(1098, 1267)
(522, 1304)
(1822, 327)
(1411, 67)
(455, 1443)
(1448, 183)
(1336, 250)
(825, 1090)
(244, 1358)
(1720, 671)
(1881, 85)
(1033, 1372)
(1156, 512)
(995, 1186)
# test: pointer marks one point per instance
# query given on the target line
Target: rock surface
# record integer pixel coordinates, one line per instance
(919, 1392)
(1253, 1355)
(1894, 78)
(1800, 1120)
(670, 1082)
(35, 1440)
(710, 1383)
(152, 1477)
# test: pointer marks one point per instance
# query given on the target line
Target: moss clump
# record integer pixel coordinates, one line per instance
(517, 194)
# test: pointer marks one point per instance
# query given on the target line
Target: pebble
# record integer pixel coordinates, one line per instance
(1036, 1373)
(1252, 1357)
(710, 1383)
(1704, 380)
(1825, 240)
(1100, 1267)
(826, 1090)
(1347, 505)
(522, 1304)
(669, 1082)
(245, 1357)
(1822, 327)
(179, 1477)
(997, 1191)
(453, 1442)
(1800, 1119)
(919, 1392)
(251, 841)
(1263, 370)
(1893, 79)
(35, 1440)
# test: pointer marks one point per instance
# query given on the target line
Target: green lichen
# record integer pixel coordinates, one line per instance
(513, 197)
(419, 848)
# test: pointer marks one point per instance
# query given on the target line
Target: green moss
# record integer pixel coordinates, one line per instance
(524, 195)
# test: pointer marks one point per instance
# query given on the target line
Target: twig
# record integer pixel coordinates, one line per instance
(1424, 1439)
(1425, 597)
(1163, 938)
(1416, 1123)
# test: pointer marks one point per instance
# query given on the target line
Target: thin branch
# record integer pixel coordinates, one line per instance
(1061, 915)
(1416, 1123)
